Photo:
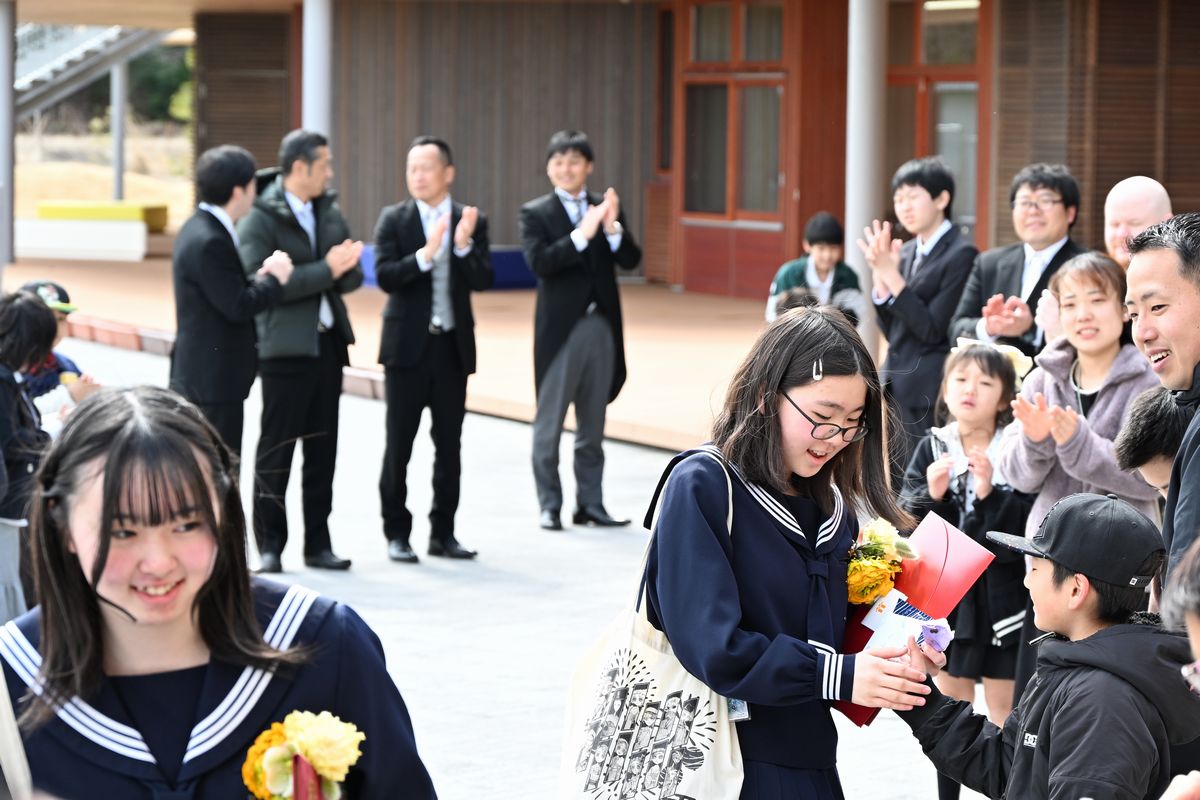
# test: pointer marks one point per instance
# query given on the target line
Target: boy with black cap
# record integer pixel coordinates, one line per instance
(56, 385)
(1107, 701)
(820, 270)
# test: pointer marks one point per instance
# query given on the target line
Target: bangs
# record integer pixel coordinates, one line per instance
(1091, 271)
(157, 479)
(991, 362)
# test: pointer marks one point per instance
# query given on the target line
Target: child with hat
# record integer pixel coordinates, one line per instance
(1099, 716)
(56, 384)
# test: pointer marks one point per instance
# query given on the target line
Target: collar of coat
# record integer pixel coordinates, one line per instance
(242, 699)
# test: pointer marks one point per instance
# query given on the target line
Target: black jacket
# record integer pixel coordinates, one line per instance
(569, 280)
(998, 271)
(914, 322)
(1002, 585)
(1095, 721)
(215, 354)
(22, 442)
(1181, 516)
(398, 237)
(290, 328)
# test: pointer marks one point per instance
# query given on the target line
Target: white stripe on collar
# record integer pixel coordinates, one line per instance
(123, 740)
(780, 512)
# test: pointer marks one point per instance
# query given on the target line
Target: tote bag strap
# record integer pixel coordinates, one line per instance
(656, 508)
(12, 751)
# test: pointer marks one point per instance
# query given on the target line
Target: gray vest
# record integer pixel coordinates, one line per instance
(443, 310)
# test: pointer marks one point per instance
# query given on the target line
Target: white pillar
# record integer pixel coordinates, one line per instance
(866, 99)
(317, 67)
(8, 49)
(118, 94)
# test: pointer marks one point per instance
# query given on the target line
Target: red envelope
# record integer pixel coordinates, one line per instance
(949, 563)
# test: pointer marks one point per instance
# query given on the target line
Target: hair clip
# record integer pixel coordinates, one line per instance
(818, 370)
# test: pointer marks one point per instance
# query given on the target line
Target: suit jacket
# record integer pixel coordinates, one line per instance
(998, 271)
(398, 237)
(915, 321)
(215, 354)
(568, 280)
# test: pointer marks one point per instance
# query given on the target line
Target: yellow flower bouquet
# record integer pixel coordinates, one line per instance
(305, 757)
(876, 561)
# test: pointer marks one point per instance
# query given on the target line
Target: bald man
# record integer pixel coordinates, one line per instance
(1132, 206)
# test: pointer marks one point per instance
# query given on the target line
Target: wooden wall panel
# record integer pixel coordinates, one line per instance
(656, 242)
(242, 82)
(495, 80)
(707, 255)
(759, 255)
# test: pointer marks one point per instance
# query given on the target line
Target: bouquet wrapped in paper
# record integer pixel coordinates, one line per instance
(918, 591)
(305, 757)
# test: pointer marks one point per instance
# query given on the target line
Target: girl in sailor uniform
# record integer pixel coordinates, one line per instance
(153, 660)
(756, 609)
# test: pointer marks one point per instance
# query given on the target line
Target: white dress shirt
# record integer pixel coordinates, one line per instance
(222, 217)
(303, 211)
(576, 206)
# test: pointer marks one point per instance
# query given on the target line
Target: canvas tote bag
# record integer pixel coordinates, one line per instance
(639, 726)
(12, 752)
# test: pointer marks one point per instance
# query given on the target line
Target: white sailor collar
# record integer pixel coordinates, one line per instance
(783, 518)
(241, 698)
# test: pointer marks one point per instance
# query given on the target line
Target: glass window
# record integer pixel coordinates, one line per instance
(948, 30)
(666, 87)
(954, 108)
(707, 113)
(712, 39)
(763, 32)
(758, 161)
(900, 31)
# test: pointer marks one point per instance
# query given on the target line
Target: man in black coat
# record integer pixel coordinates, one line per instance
(215, 355)
(578, 345)
(1006, 281)
(430, 254)
(916, 288)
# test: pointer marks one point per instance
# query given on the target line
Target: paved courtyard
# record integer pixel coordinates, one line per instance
(482, 651)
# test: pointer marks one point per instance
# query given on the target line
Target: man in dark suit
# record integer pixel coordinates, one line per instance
(916, 288)
(215, 355)
(574, 240)
(302, 343)
(1005, 281)
(430, 254)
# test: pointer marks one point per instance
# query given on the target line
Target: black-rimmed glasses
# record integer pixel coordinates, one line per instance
(827, 430)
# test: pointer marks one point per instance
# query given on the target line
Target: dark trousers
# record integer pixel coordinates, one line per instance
(300, 403)
(439, 383)
(227, 418)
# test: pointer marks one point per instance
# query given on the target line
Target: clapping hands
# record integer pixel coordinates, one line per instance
(1007, 317)
(1039, 419)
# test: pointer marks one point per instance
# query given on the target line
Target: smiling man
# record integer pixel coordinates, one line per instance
(1163, 300)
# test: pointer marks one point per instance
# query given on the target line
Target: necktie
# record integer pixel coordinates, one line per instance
(581, 205)
(917, 259)
(306, 220)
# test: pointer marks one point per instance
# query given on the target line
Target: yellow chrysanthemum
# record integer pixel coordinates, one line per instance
(252, 769)
(329, 744)
(869, 579)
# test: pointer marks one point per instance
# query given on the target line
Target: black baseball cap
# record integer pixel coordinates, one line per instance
(52, 294)
(1100, 536)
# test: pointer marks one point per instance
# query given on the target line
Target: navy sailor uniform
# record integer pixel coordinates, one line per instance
(757, 613)
(92, 747)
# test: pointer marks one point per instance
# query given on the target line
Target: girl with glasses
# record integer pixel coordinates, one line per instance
(154, 660)
(952, 473)
(756, 609)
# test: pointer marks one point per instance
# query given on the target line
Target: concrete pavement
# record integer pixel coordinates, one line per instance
(482, 651)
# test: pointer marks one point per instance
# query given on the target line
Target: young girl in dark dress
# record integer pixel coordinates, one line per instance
(154, 661)
(953, 473)
(756, 610)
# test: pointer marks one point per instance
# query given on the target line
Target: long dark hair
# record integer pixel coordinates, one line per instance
(158, 455)
(748, 433)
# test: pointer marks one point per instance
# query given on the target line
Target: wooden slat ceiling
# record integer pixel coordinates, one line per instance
(156, 13)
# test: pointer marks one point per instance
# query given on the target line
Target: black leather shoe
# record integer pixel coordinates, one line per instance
(596, 517)
(268, 563)
(326, 560)
(399, 551)
(550, 521)
(449, 548)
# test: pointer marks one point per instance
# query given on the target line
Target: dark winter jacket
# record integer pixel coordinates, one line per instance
(290, 328)
(22, 442)
(1004, 509)
(1095, 721)
(1181, 518)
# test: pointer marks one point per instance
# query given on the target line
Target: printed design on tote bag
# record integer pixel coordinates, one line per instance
(638, 744)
